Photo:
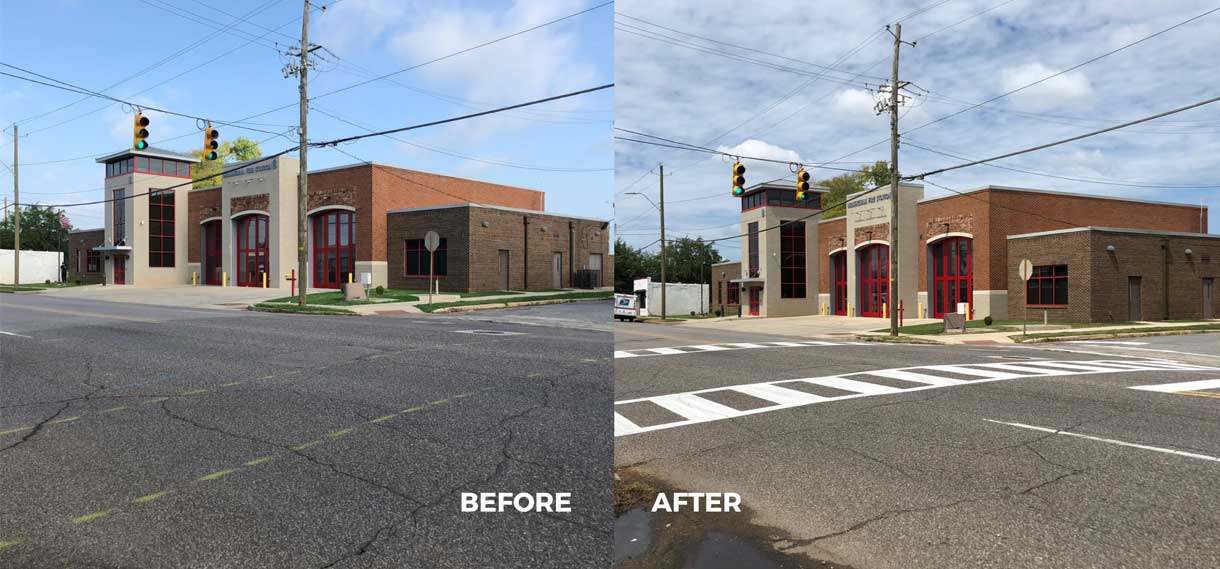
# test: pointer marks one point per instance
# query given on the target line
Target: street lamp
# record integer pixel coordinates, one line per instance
(661, 209)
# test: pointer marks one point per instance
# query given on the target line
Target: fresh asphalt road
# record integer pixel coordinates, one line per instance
(138, 436)
(946, 477)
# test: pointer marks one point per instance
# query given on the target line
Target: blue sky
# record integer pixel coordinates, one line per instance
(236, 73)
(693, 96)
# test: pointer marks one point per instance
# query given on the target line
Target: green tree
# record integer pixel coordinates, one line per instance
(42, 229)
(236, 150)
(688, 260)
(630, 264)
(843, 185)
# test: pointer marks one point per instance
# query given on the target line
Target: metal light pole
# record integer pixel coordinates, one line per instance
(660, 208)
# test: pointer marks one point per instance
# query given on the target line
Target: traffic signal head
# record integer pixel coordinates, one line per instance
(211, 141)
(139, 133)
(802, 184)
(739, 179)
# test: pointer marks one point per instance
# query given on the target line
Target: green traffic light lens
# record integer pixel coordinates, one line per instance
(141, 145)
(212, 155)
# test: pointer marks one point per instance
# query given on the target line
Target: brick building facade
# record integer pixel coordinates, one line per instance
(955, 248)
(85, 264)
(496, 248)
(1115, 275)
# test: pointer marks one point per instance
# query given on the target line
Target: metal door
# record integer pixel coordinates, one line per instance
(120, 269)
(557, 270)
(502, 269)
(755, 300)
(1133, 299)
(1209, 298)
(212, 253)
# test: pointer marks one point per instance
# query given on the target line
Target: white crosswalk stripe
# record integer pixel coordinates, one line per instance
(698, 348)
(697, 407)
(1184, 386)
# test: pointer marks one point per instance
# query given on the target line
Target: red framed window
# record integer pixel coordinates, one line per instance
(952, 274)
(874, 279)
(212, 253)
(93, 261)
(161, 228)
(417, 260)
(119, 217)
(148, 165)
(334, 248)
(753, 233)
(792, 260)
(252, 249)
(838, 275)
(734, 293)
(1048, 286)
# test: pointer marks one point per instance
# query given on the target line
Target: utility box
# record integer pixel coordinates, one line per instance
(354, 291)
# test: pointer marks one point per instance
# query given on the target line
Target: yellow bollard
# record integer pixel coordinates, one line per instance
(224, 279)
(849, 312)
(264, 280)
(969, 309)
(193, 277)
(884, 311)
(350, 275)
(920, 310)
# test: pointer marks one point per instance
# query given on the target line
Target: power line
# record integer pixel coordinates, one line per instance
(694, 148)
(963, 20)
(336, 142)
(1100, 181)
(1065, 140)
(463, 117)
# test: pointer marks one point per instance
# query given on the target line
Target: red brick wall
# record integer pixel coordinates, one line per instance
(398, 188)
(202, 205)
(352, 187)
(965, 215)
(831, 235)
(82, 242)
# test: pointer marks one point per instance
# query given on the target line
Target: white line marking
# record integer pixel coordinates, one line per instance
(1111, 441)
(18, 335)
(1105, 342)
(618, 354)
(665, 351)
(988, 374)
(1095, 368)
(916, 377)
(788, 344)
(852, 385)
(778, 395)
(624, 426)
(1184, 386)
(695, 408)
(1017, 368)
(710, 347)
(746, 345)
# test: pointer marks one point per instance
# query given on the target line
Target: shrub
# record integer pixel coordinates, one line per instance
(987, 320)
(379, 291)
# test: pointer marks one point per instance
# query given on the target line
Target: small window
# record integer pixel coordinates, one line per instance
(417, 259)
(1048, 286)
(155, 165)
(141, 163)
(93, 261)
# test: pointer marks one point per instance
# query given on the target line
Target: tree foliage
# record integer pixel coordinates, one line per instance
(841, 186)
(686, 261)
(42, 229)
(236, 150)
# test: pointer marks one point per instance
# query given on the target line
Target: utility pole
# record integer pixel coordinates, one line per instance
(662, 208)
(894, 87)
(302, 72)
(16, 217)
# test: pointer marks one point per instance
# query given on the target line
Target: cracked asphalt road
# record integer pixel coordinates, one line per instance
(138, 436)
(924, 479)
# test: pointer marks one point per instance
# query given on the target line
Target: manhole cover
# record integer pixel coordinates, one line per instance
(490, 332)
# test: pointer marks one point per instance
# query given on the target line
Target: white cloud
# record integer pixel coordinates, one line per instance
(356, 25)
(1071, 90)
(762, 149)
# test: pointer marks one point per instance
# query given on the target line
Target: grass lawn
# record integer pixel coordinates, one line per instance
(1201, 327)
(487, 293)
(335, 298)
(566, 296)
(308, 309)
(998, 325)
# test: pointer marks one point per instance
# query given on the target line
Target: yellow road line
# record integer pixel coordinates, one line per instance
(150, 497)
(1193, 393)
(413, 409)
(257, 461)
(17, 430)
(64, 420)
(307, 445)
(438, 402)
(90, 517)
(217, 474)
(230, 384)
(112, 409)
(8, 544)
(156, 400)
(338, 434)
(194, 392)
(382, 419)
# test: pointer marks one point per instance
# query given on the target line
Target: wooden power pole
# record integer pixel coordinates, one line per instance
(16, 217)
(303, 176)
(894, 86)
(662, 208)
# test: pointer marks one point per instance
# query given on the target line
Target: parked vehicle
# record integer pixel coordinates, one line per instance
(626, 307)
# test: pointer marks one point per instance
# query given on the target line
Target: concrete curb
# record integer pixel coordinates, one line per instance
(493, 306)
(277, 310)
(1110, 336)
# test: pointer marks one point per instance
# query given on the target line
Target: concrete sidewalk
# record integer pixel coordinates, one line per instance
(796, 326)
(214, 297)
(1007, 336)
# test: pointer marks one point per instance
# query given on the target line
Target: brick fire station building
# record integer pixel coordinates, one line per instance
(361, 218)
(1095, 258)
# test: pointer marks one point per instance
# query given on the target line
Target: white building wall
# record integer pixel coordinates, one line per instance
(680, 298)
(36, 266)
